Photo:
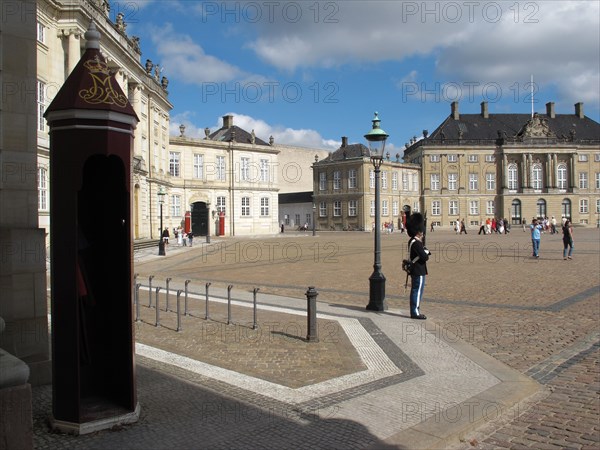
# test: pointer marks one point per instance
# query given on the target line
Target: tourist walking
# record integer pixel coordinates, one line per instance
(567, 239)
(536, 229)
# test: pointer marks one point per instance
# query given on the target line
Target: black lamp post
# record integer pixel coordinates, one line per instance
(376, 138)
(161, 242)
(208, 220)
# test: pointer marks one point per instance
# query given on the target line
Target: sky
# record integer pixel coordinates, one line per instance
(309, 72)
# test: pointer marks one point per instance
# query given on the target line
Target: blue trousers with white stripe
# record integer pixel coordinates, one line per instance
(416, 293)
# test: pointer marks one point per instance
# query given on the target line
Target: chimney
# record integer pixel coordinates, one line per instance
(344, 141)
(550, 110)
(484, 110)
(579, 110)
(227, 121)
(454, 110)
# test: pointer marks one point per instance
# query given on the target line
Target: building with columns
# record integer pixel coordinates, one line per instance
(513, 166)
(61, 25)
(344, 189)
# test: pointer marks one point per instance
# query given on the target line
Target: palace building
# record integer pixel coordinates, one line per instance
(513, 166)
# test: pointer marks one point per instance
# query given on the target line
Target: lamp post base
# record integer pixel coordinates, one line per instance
(161, 247)
(377, 292)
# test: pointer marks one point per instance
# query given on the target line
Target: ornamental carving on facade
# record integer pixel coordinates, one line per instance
(537, 127)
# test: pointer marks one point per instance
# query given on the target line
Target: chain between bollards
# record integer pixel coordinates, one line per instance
(311, 305)
(179, 291)
(229, 304)
(156, 307)
(254, 326)
(206, 311)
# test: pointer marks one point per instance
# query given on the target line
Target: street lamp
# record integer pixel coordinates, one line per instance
(376, 138)
(208, 220)
(161, 242)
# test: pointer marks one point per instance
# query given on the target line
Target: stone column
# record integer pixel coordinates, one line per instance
(548, 171)
(74, 51)
(504, 171)
(524, 178)
(572, 171)
(554, 169)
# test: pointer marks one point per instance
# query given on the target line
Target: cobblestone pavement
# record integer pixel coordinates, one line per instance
(538, 316)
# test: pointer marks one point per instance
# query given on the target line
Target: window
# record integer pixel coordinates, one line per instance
(561, 176)
(337, 181)
(384, 208)
(372, 179)
(41, 33)
(434, 158)
(541, 208)
(175, 206)
(435, 182)
(583, 206)
(337, 208)
(395, 181)
(245, 206)
(597, 157)
(597, 180)
(322, 209)
(42, 189)
(415, 182)
(352, 183)
(264, 206)
(598, 206)
(490, 158)
(512, 177)
(452, 180)
(221, 168)
(220, 204)
(536, 176)
(264, 170)
(384, 179)
(322, 181)
(352, 208)
(473, 182)
(452, 158)
(453, 208)
(565, 208)
(583, 180)
(404, 181)
(473, 158)
(41, 102)
(174, 163)
(395, 208)
(515, 211)
(474, 207)
(297, 219)
(416, 206)
(309, 219)
(490, 209)
(436, 209)
(245, 169)
(372, 209)
(583, 158)
(198, 166)
(490, 181)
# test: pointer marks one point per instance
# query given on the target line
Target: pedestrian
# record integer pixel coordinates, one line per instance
(418, 253)
(462, 227)
(524, 222)
(553, 225)
(431, 228)
(191, 238)
(536, 228)
(179, 235)
(282, 227)
(567, 239)
(165, 236)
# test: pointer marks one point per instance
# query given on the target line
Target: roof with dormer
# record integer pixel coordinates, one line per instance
(224, 134)
(351, 151)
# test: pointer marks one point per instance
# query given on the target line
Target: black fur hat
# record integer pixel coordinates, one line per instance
(415, 224)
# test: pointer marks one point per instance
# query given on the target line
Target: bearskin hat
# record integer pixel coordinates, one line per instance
(415, 224)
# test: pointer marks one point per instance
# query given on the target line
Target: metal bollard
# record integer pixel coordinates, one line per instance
(311, 300)
(150, 290)
(254, 326)
(229, 304)
(179, 291)
(137, 302)
(168, 281)
(157, 323)
(185, 308)
(206, 315)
